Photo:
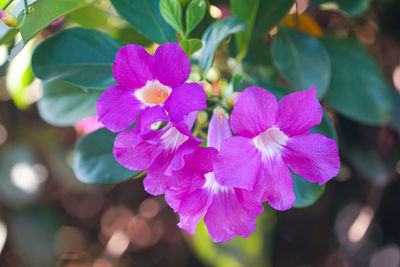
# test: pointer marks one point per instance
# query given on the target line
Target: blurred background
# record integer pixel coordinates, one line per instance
(49, 218)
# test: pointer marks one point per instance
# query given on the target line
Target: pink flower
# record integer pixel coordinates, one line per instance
(159, 152)
(227, 211)
(154, 85)
(88, 125)
(271, 139)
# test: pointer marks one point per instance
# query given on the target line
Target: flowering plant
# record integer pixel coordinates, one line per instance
(226, 113)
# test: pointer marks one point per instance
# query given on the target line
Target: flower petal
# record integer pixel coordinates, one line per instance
(149, 116)
(193, 208)
(117, 108)
(134, 157)
(188, 181)
(184, 99)
(177, 160)
(275, 184)
(254, 112)
(157, 181)
(299, 112)
(238, 163)
(218, 130)
(228, 216)
(133, 66)
(202, 159)
(313, 157)
(171, 65)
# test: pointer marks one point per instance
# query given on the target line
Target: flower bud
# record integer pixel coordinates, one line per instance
(8, 18)
(202, 117)
(232, 98)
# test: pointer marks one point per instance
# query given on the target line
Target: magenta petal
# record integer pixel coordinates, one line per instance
(299, 112)
(193, 208)
(254, 112)
(227, 216)
(171, 64)
(157, 181)
(184, 99)
(177, 160)
(313, 157)
(117, 108)
(237, 163)
(134, 157)
(218, 130)
(133, 66)
(149, 116)
(188, 181)
(175, 194)
(202, 159)
(275, 184)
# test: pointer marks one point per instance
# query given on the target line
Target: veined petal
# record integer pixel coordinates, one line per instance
(184, 99)
(149, 116)
(193, 208)
(275, 184)
(171, 65)
(156, 181)
(117, 108)
(218, 130)
(202, 159)
(188, 181)
(238, 163)
(138, 156)
(178, 161)
(313, 157)
(299, 112)
(228, 216)
(255, 112)
(133, 66)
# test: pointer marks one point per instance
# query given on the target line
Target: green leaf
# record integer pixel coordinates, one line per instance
(357, 88)
(90, 16)
(349, 7)
(171, 11)
(190, 46)
(80, 56)
(302, 60)
(64, 104)
(45, 12)
(194, 14)
(145, 16)
(94, 160)
(270, 13)
(214, 34)
(247, 10)
(306, 193)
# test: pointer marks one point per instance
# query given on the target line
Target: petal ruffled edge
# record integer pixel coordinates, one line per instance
(255, 112)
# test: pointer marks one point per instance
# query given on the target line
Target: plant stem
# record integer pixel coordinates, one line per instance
(7, 4)
(26, 7)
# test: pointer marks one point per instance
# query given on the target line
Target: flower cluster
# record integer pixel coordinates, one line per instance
(227, 181)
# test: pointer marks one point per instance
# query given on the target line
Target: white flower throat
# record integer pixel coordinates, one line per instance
(153, 93)
(270, 143)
